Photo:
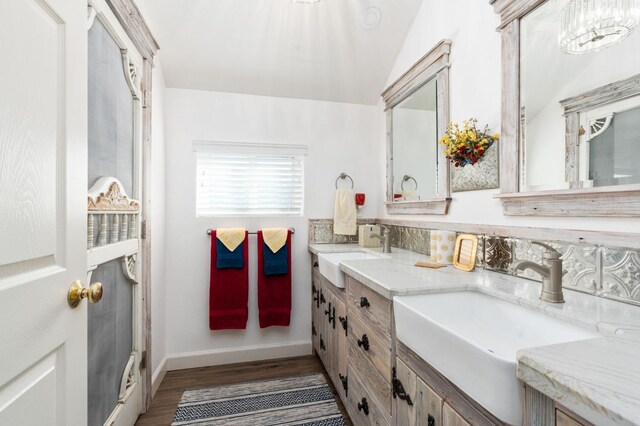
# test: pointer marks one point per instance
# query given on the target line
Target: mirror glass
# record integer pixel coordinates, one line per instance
(608, 133)
(415, 144)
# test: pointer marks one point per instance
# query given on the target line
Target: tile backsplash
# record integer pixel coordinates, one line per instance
(609, 272)
(404, 237)
(321, 232)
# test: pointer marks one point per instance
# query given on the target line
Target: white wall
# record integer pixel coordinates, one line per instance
(475, 88)
(340, 137)
(158, 229)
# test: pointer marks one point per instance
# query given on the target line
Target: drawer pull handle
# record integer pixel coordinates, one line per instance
(322, 346)
(364, 406)
(313, 330)
(345, 383)
(364, 302)
(316, 298)
(398, 389)
(322, 299)
(345, 324)
(331, 312)
(315, 264)
(364, 343)
(431, 421)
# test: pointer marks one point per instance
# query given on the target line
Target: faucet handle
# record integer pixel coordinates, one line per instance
(552, 252)
(387, 230)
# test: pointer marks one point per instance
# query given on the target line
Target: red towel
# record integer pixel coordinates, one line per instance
(274, 291)
(228, 292)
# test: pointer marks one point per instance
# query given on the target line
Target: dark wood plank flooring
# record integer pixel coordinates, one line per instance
(164, 404)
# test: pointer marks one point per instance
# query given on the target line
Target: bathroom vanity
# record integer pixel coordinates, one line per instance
(403, 348)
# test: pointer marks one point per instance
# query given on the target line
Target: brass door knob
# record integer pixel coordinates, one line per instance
(77, 292)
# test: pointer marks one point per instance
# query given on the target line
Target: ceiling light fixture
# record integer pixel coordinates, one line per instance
(592, 25)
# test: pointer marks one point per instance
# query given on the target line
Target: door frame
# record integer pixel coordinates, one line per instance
(134, 25)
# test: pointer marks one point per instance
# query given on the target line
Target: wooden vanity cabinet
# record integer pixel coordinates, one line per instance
(369, 355)
(340, 341)
(352, 333)
(423, 396)
(451, 418)
(377, 376)
(361, 405)
(328, 333)
(316, 293)
(540, 409)
(416, 404)
(336, 338)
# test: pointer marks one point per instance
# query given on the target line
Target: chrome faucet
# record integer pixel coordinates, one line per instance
(385, 239)
(550, 270)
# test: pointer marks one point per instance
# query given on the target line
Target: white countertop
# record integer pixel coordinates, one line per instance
(598, 379)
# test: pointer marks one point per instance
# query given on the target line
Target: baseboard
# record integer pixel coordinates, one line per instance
(181, 361)
(158, 376)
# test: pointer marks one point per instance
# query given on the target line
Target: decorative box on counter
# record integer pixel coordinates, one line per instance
(364, 231)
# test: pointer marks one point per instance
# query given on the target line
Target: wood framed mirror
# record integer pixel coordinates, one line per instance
(554, 102)
(417, 110)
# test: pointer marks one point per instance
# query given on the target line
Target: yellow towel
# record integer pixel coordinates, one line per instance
(344, 213)
(275, 238)
(231, 237)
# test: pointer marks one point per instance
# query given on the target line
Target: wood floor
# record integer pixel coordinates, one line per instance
(165, 403)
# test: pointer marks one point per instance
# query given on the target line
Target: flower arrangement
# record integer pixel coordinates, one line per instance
(467, 144)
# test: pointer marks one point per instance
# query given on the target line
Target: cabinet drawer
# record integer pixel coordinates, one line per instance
(374, 347)
(372, 308)
(372, 360)
(362, 408)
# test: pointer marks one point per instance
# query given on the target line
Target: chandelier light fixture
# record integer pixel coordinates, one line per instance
(592, 25)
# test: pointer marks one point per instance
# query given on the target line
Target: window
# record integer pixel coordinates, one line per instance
(242, 179)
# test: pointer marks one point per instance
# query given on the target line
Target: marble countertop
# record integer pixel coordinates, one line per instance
(598, 379)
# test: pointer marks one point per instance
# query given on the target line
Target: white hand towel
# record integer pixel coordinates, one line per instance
(344, 213)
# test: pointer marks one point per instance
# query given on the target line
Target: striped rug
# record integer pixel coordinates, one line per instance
(305, 400)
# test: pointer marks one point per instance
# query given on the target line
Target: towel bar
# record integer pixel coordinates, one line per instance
(293, 231)
(344, 176)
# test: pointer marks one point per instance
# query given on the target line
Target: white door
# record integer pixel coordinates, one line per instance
(43, 169)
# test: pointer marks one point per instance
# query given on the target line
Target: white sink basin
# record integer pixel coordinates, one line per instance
(472, 339)
(329, 264)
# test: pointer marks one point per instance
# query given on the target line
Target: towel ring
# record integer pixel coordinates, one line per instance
(344, 176)
(406, 178)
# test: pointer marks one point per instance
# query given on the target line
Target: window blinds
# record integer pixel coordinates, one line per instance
(249, 179)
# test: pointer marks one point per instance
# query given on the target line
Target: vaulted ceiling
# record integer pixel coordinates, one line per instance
(324, 51)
